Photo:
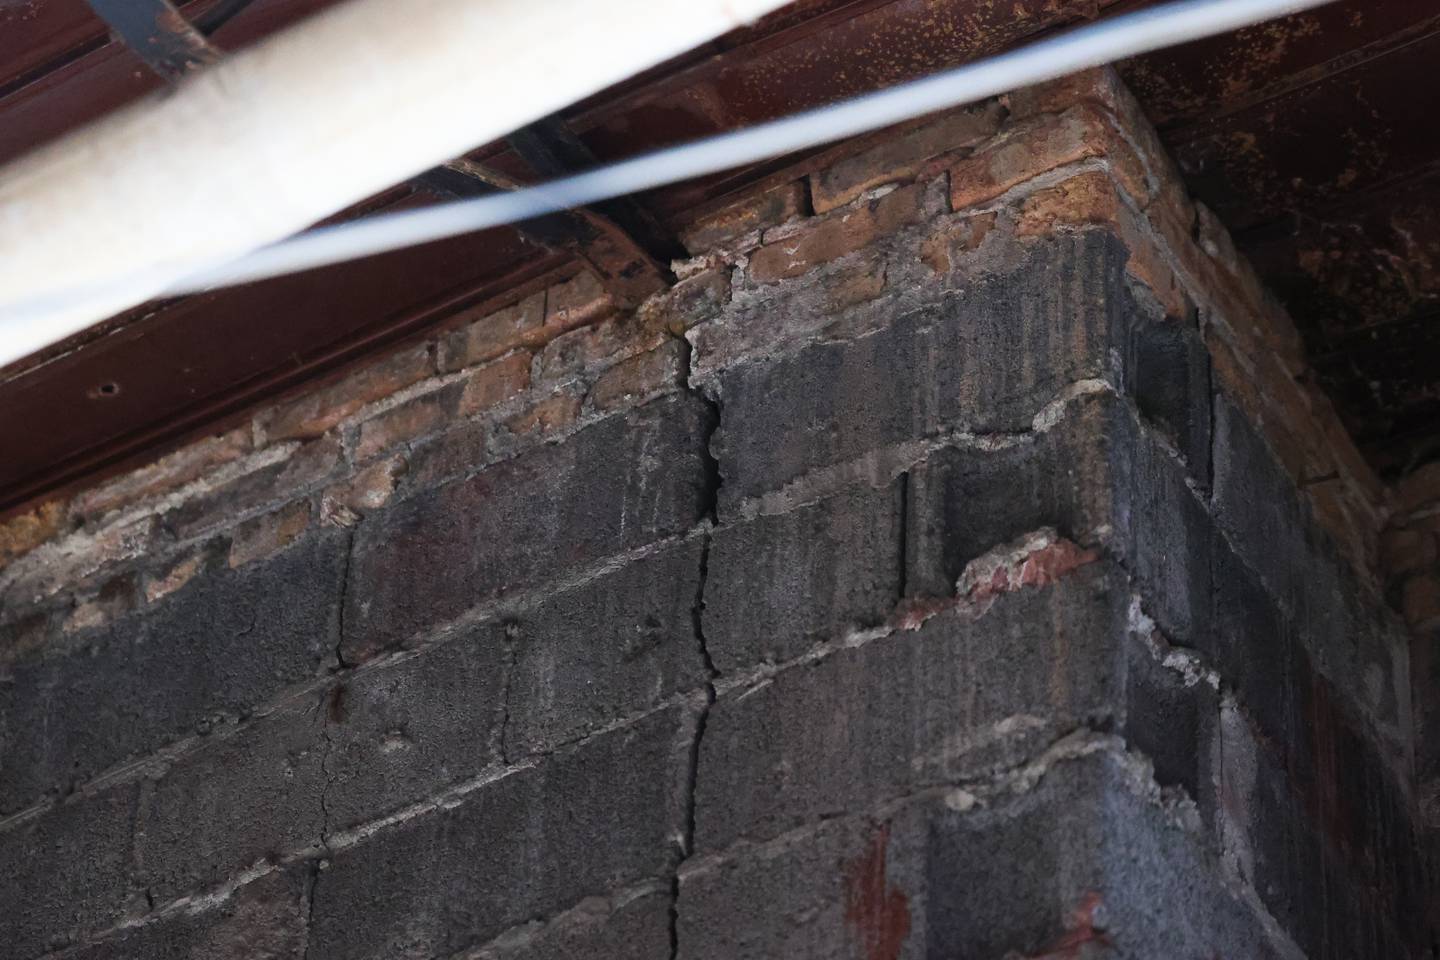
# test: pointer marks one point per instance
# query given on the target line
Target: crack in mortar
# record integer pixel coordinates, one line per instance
(341, 627)
(713, 482)
(501, 743)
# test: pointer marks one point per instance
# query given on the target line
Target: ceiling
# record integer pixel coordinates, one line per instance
(1313, 138)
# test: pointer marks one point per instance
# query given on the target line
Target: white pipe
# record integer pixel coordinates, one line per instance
(1094, 45)
(317, 117)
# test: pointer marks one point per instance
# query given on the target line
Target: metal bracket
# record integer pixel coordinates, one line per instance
(159, 34)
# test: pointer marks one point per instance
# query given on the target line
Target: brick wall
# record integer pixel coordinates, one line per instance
(955, 562)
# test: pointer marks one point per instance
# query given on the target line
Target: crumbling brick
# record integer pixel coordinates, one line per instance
(25, 531)
(899, 157)
(265, 535)
(493, 384)
(641, 376)
(834, 236)
(719, 228)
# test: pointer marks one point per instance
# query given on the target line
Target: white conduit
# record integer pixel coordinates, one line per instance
(282, 134)
(1093, 45)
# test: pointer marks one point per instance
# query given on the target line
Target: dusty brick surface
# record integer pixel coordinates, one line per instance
(493, 334)
(416, 417)
(66, 872)
(611, 647)
(263, 920)
(900, 157)
(842, 233)
(779, 584)
(466, 873)
(915, 708)
(533, 517)
(833, 401)
(225, 645)
(317, 411)
(640, 376)
(720, 227)
(171, 471)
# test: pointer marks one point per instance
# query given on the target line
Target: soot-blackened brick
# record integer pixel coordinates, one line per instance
(776, 585)
(964, 501)
(66, 872)
(1171, 718)
(224, 644)
(636, 929)
(1339, 622)
(619, 484)
(957, 697)
(1168, 374)
(611, 647)
(1082, 863)
(1096, 476)
(1166, 533)
(986, 358)
(406, 729)
(850, 887)
(250, 796)
(263, 920)
(586, 820)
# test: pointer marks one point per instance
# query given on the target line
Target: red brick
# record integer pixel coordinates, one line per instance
(25, 531)
(640, 376)
(398, 425)
(831, 237)
(961, 237)
(318, 411)
(900, 157)
(1039, 146)
(369, 489)
(594, 347)
(494, 334)
(179, 574)
(307, 465)
(715, 230)
(1100, 87)
(265, 535)
(168, 473)
(1086, 198)
(494, 383)
(1148, 264)
(555, 412)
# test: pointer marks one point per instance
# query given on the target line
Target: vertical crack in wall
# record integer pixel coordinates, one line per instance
(312, 879)
(332, 707)
(501, 744)
(340, 663)
(713, 481)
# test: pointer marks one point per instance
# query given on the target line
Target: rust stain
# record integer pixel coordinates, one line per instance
(1080, 931)
(878, 914)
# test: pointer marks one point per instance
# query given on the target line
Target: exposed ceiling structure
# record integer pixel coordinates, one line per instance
(1310, 138)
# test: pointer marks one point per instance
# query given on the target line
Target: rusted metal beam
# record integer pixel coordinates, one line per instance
(162, 37)
(626, 268)
(159, 34)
